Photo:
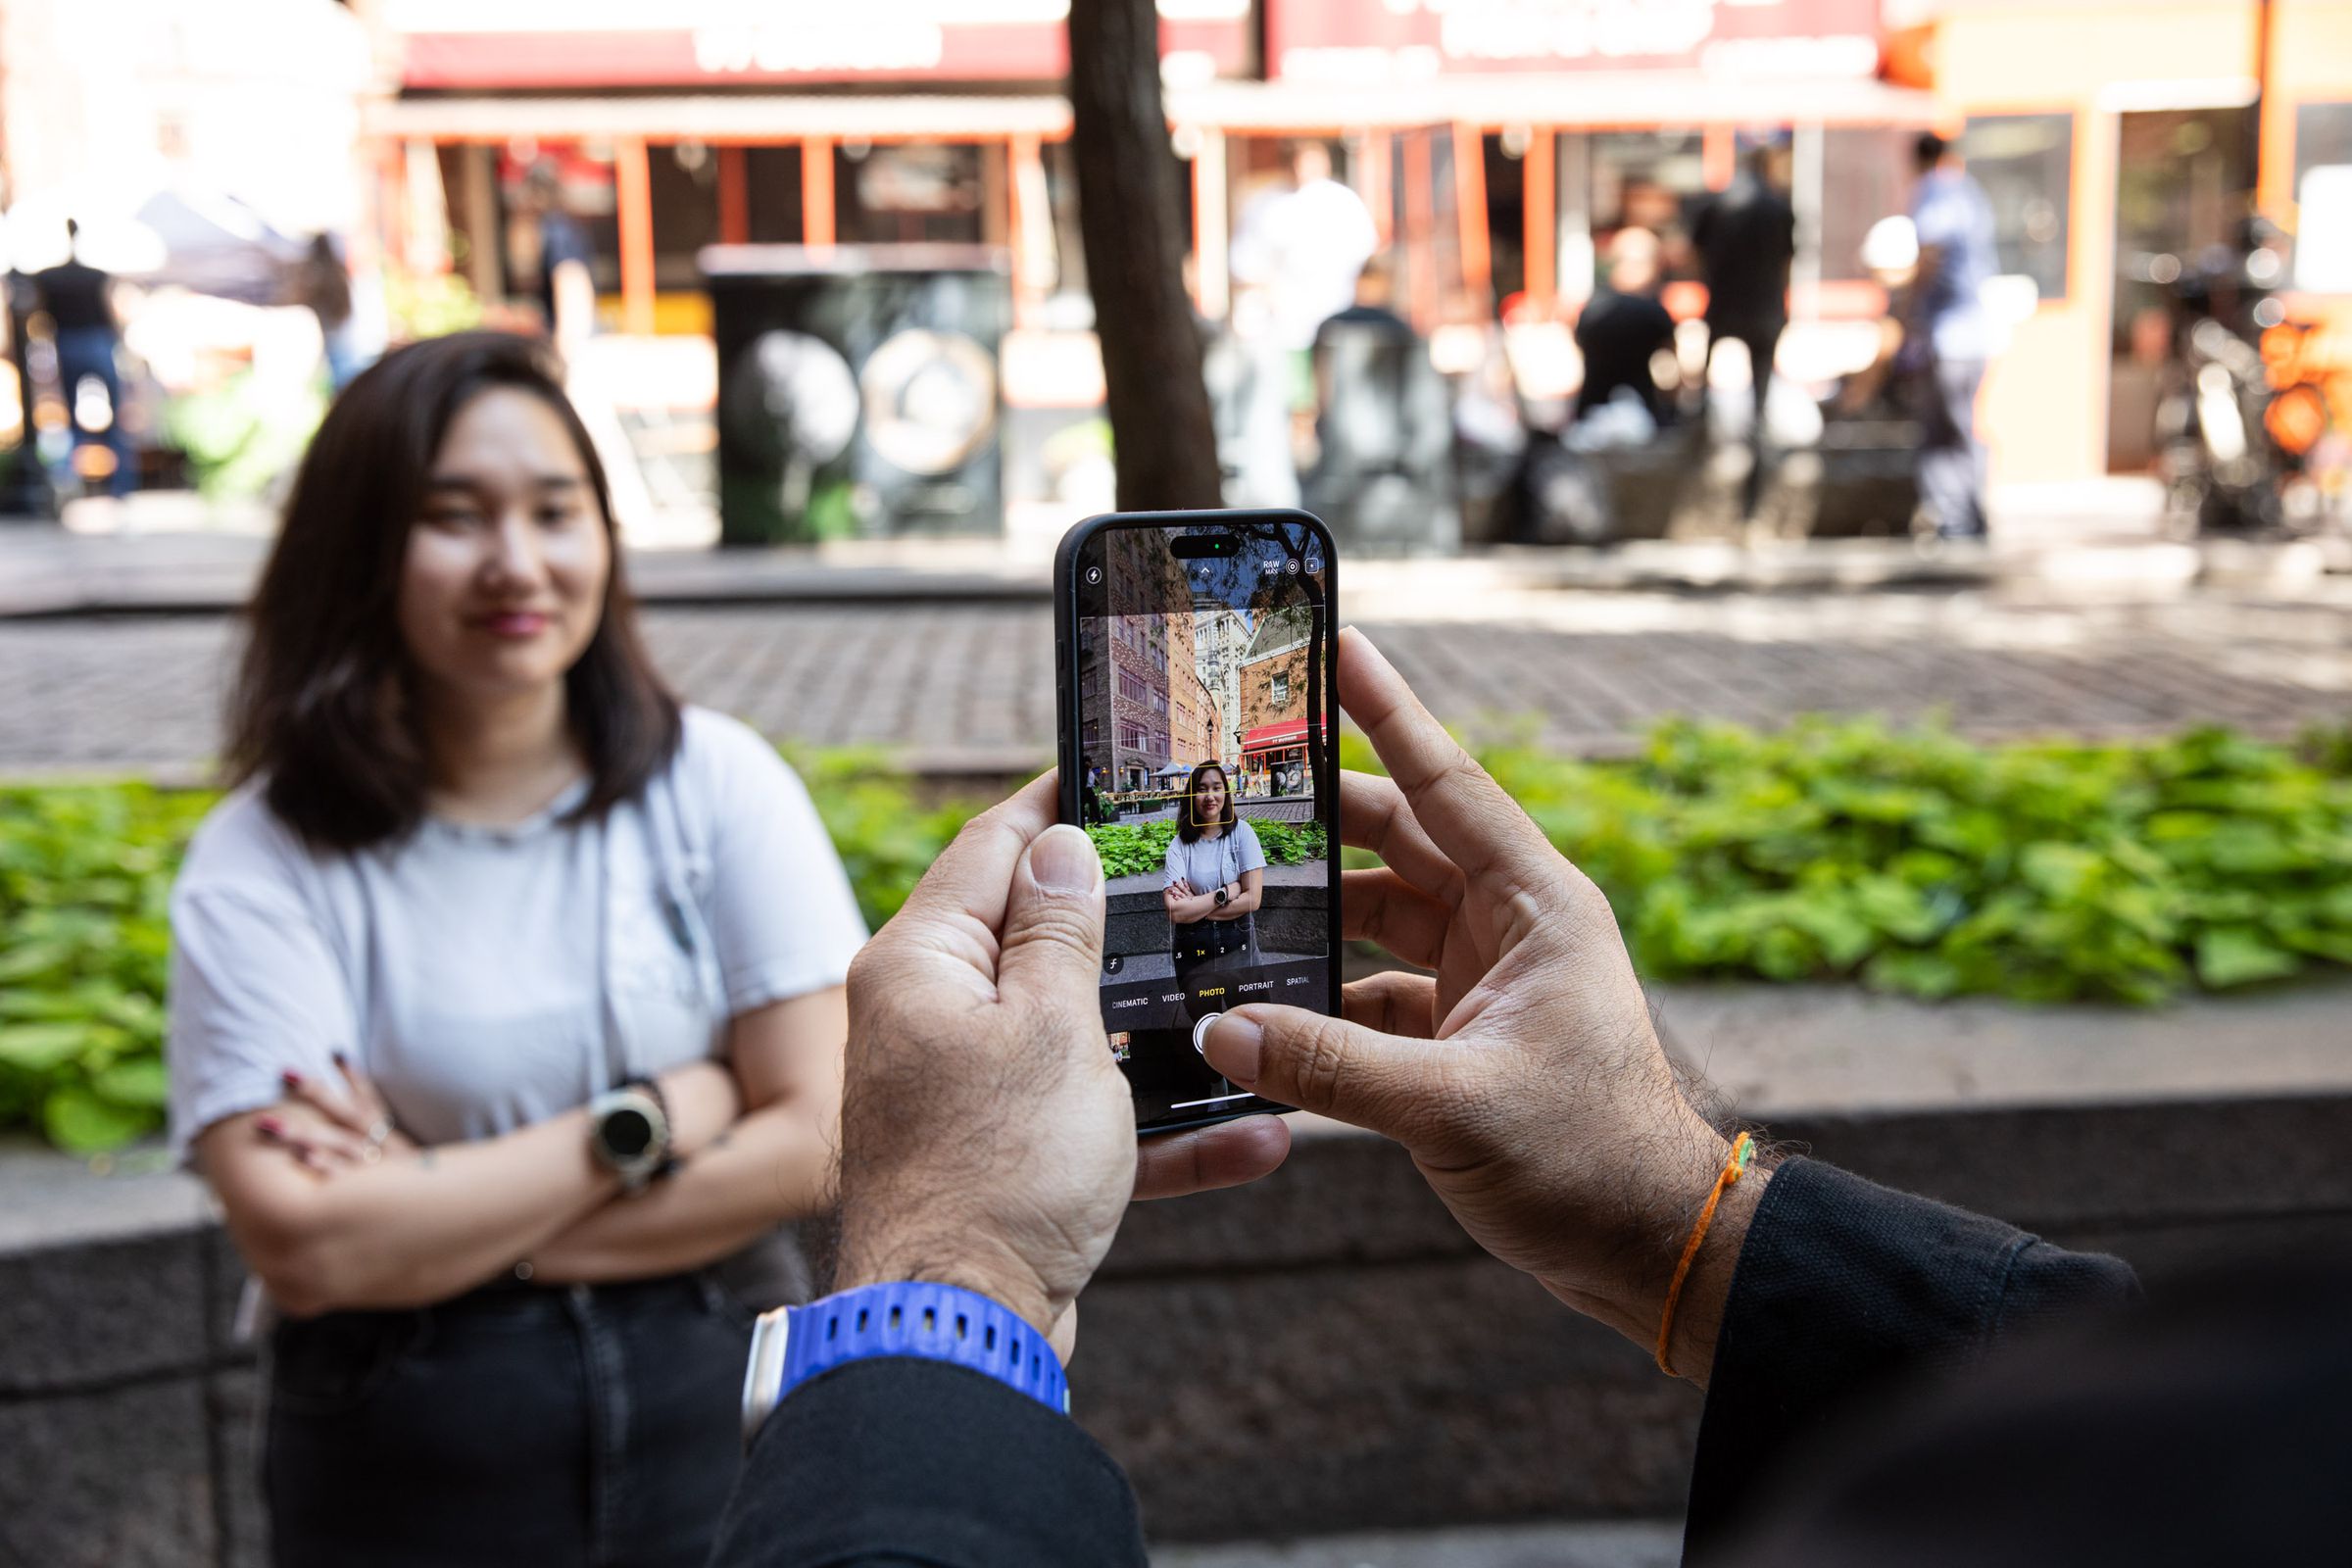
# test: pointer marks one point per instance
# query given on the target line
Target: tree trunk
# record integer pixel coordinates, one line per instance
(1128, 216)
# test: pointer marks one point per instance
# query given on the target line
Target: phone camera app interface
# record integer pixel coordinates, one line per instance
(1203, 708)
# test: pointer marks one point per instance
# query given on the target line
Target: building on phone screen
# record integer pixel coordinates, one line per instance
(1273, 680)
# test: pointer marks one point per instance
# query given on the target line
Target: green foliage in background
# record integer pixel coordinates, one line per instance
(1915, 861)
(242, 435)
(1130, 849)
(84, 873)
(429, 305)
(886, 838)
(1907, 860)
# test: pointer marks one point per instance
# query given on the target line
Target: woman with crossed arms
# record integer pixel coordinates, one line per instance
(505, 1003)
(1212, 881)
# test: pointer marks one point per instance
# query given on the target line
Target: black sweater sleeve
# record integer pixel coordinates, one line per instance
(1843, 1286)
(899, 1461)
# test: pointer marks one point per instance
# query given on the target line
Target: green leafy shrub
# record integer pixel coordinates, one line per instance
(1130, 849)
(1907, 860)
(886, 839)
(1919, 863)
(84, 937)
(241, 436)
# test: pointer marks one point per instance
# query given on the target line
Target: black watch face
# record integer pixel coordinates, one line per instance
(628, 1133)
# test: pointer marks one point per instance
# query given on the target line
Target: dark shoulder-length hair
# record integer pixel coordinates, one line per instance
(1188, 820)
(322, 710)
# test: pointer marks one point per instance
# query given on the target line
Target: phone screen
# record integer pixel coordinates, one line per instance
(1204, 775)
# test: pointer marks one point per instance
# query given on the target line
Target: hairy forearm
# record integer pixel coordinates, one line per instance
(775, 1164)
(1707, 1292)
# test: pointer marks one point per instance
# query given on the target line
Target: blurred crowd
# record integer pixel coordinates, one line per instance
(206, 369)
(1329, 398)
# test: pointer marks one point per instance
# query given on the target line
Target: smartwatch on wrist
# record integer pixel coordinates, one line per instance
(930, 1322)
(629, 1134)
(1223, 898)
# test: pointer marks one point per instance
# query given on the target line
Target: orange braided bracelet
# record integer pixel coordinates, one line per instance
(1744, 1149)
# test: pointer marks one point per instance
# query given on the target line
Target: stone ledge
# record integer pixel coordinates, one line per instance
(1289, 1359)
(1779, 1049)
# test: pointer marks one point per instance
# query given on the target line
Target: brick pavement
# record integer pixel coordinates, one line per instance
(970, 685)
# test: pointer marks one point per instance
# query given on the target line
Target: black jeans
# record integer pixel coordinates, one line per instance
(565, 1427)
(1762, 340)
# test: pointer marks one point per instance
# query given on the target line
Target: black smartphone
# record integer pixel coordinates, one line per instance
(1193, 659)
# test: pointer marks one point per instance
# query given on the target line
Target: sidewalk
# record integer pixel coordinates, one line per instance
(167, 554)
(116, 648)
(964, 690)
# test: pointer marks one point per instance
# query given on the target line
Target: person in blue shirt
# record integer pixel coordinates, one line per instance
(1947, 335)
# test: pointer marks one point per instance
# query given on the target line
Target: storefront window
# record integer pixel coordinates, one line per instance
(772, 190)
(683, 182)
(1506, 211)
(1649, 180)
(573, 181)
(1865, 177)
(913, 193)
(2025, 165)
(2324, 197)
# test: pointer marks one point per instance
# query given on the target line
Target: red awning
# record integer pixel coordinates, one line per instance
(1268, 737)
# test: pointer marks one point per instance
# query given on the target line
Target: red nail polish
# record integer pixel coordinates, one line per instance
(291, 1078)
(271, 1126)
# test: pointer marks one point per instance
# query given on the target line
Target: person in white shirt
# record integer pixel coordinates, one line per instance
(1212, 880)
(1305, 244)
(1296, 253)
(507, 1003)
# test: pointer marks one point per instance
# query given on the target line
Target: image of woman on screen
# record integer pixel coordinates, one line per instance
(1214, 877)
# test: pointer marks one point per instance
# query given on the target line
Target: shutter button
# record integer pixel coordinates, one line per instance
(1201, 1033)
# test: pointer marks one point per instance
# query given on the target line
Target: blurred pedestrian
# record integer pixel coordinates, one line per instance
(1297, 252)
(1624, 328)
(1949, 336)
(322, 284)
(1384, 429)
(550, 251)
(1305, 243)
(79, 300)
(506, 1006)
(1746, 239)
(551, 254)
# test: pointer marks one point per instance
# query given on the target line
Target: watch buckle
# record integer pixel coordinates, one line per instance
(763, 1371)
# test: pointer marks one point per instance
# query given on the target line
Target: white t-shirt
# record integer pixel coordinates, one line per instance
(488, 978)
(1209, 864)
(1306, 246)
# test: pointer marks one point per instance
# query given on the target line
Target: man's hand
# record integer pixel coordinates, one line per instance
(1524, 1077)
(988, 1138)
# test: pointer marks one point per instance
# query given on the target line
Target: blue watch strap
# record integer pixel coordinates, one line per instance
(933, 1322)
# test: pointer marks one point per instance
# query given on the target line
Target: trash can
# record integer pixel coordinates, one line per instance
(857, 389)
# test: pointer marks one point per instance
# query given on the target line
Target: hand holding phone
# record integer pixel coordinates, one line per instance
(1195, 671)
